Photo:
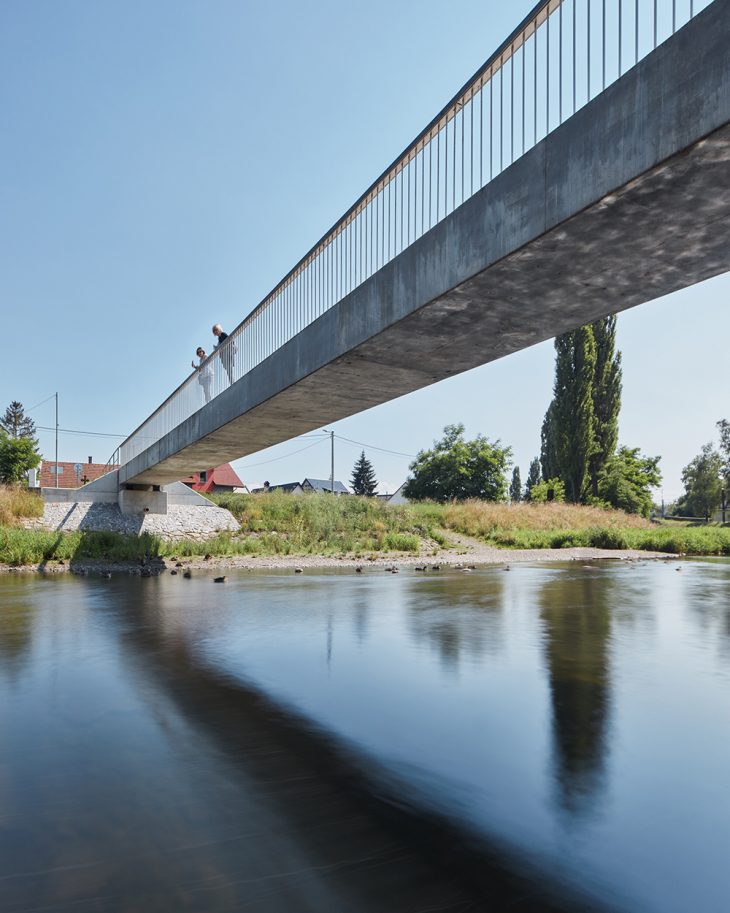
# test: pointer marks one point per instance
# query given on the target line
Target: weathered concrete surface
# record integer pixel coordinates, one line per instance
(627, 201)
(107, 489)
(180, 521)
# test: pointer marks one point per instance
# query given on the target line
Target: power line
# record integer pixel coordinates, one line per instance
(41, 403)
(84, 433)
(410, 456)
(291, 453)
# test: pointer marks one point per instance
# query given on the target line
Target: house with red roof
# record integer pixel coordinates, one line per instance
(212, 481)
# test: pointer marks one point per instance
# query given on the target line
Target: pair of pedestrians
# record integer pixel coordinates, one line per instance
(205, 367)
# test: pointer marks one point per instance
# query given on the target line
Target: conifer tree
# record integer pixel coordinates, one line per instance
(606, 397)
(533, 477)
(363, 479)
(17, 423)
(515, 488)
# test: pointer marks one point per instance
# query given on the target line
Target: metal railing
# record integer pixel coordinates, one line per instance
(562, 55)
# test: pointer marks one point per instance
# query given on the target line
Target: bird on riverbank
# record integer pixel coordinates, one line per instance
(219, 579)
(187, 574)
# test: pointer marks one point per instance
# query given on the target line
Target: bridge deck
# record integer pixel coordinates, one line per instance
(626, 201)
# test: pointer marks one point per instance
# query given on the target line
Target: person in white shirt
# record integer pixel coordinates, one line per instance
(205, 372)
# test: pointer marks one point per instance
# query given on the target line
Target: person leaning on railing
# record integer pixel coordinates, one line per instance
(205, 372)
(227, 350)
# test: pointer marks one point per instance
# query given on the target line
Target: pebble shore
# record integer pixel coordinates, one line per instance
(477, 557)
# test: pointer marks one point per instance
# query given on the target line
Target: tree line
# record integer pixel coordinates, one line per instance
(580, 458)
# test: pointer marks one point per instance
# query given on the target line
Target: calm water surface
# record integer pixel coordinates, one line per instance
(548, 738)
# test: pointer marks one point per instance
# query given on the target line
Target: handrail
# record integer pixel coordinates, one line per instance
(562, 54)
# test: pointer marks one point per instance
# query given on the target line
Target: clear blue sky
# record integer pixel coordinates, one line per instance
(162, 165)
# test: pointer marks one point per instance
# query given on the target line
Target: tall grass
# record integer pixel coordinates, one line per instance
(560, 525)
(321, 524)
(482, 519)
(17, 503)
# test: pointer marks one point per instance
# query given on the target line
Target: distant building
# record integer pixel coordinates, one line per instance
(215, 481)
(307, 486)
(71, 475)
(398, 497)
(290, 488)
(324, 485)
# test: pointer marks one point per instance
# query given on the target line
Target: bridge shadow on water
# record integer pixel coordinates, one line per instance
(374, 845)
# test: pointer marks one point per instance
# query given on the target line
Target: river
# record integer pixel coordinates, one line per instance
(544, 738)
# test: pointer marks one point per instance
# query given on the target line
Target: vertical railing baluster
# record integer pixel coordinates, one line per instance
(512, 105)
(620, 33)
(560, 63)
(603, 44)
(588, 52)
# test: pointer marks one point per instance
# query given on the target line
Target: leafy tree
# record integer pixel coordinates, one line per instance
(455, 469)
(541, 491)
(702, 483)
(533, 477)
(724, 428)
(363, 479)
(606, 397)
(568, 438)
(17, 456)
(17, 423)
(515, 488)
(625, 482)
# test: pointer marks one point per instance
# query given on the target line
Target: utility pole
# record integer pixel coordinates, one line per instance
(56, 439)
(332, 461)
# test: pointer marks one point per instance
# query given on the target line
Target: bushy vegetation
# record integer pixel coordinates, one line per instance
(455, 469)
(18, 503)
(20, 546)
(321, 524)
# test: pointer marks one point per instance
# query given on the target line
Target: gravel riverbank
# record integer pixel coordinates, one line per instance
(467, 557)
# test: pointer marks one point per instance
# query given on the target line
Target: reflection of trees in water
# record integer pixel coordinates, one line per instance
(576, 614)
(360, 617)
(459, 617)
(16, 636)
(706, 590)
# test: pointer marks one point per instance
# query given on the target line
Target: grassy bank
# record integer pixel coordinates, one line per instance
(18, 503)
(326, 525)
(569, 526)
(280, 524)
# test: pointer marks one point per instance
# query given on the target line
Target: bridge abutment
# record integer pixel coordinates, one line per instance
(172, 511)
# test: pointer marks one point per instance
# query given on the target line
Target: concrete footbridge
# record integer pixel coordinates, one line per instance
(583, 170)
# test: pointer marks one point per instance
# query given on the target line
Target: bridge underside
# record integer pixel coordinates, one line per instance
(627, 201)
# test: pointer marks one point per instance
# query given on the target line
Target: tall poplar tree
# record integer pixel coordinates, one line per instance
(533, 477)
(569, 430)
(515, 488)
(606, 397)
(548, 441)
